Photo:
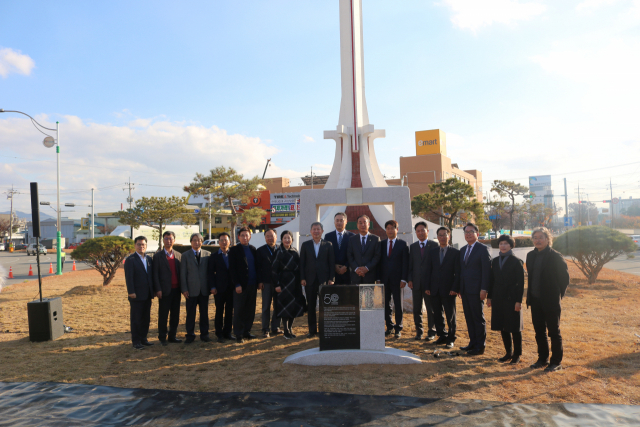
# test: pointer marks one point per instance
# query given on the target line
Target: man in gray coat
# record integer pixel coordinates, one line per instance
(317, 268)
(193, 281)
(418, 280)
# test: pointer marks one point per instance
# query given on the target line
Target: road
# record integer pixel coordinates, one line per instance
(20, 262)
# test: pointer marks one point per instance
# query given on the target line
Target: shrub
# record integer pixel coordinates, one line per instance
(521, 242)
(105, 254)
(590, 248)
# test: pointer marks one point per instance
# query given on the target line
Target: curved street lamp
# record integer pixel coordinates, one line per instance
(49, 142)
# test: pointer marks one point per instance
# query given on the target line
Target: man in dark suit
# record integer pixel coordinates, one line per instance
(266, 254)
(443, 270)
(166, 284)
(244, 277)
(138, 276)
(363, 253)
(221, 288)
(193, 281)
(475, 272)
(419, 280)
(548, 281)
(393, 272)
(340, 241)
(317, 268)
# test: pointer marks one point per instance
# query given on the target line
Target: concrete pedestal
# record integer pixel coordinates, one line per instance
(388, 356)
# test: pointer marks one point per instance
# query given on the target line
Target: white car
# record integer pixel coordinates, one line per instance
(1, 246)
(212, 242)
(636, 239)
(31, 249)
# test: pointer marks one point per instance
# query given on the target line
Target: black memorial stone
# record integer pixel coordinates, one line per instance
(339, 317)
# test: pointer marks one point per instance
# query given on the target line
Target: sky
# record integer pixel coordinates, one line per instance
(152, 92)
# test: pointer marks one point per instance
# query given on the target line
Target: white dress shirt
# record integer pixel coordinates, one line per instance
(143, 258)
(316, 247)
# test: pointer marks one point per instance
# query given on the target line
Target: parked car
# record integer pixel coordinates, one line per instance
(74, 245)
(19, 246)
(636, 239)
(31, 249)
(214, 242)
(1, 246)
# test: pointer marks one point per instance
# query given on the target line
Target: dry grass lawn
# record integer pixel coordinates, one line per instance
(602, 355)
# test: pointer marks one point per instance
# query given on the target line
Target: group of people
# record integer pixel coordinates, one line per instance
(436, 272)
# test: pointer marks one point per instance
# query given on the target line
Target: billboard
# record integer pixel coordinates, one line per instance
(540, 181)
(260, 201)
(431, 142)
(284, 207)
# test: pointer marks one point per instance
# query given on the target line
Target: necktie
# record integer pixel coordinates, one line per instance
(421, 249)
(364, 242)
(198, 257)
(441, 255)
(339, 240)
(390, 247)
(466, 256)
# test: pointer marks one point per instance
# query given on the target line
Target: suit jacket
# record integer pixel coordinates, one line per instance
(369, 258)
(263, 263)
(322, 267)
(239, 267)
(139, 281)
(193, 276)
(418, 272)
(218, 275)
(162, 272)
(340, 252)
(476, 272)
(554, 279)
(395, 268)
(445, 277)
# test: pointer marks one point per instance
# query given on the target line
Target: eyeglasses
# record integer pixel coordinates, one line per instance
(470, 232)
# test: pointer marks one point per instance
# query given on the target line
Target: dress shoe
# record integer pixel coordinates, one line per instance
(553, 368)
(417, 337)
(441, 340)
(312, 335)
(266, 334)
(388, 332)
(249, 336)
(466, 348)
(398, 335)
(475, 352)
(430, 337)
(515, 359)
(229, 337)
(287, 335)
(239, 340)
(221, 340)
(138, 347)
(539, 364)
(189, 340)
(292, 335)
(147, 343)
(449, 345)
(205, 339)
(505, 358)
(174, 340)
(276, 332)
(164, 343)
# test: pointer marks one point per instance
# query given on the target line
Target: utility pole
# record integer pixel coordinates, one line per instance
(566, 203)
(93, 214)
(312, 177)
(130, 200)
(611, 202)
(10, 194)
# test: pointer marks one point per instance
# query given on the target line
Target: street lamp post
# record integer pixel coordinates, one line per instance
(49, 142)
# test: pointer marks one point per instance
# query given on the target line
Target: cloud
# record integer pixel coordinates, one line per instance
(473, 14)
(12, 61)
(591, 5)
(307, 139)
(160, 156)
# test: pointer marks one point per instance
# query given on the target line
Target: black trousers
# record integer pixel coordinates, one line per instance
(444, 305)
(418, 297)
(343, 279)
(473, 308)
(202, 303)
(140, 317)
(396, 293)
(224, 312)
(547, 319)
(244, 310)
(516, 349)
(312, 297)
(169, 307)
(287, 323)
(269, 299)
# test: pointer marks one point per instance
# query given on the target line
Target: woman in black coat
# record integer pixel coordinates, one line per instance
(506, 288)
(286, 281)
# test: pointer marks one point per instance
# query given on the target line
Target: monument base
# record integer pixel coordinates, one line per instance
(388, 356)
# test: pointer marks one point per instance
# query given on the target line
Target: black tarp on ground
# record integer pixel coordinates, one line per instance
(53, 404)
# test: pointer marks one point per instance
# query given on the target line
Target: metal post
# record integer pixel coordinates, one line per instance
(59, 234)
(11, 221)
(566, 203)
(210, 200)
(312, 177)
(611, 202)
(93, 214)
(38, 262)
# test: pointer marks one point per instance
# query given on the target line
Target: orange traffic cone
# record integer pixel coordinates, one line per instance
(50, 268)
(74, 265)
(10, 273)
(30, 270)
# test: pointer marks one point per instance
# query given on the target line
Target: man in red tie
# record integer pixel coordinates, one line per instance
(393, 271)
(418, 280)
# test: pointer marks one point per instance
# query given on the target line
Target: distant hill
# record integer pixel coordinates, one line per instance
(27, 216)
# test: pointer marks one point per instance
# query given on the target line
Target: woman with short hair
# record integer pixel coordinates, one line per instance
(506, 288)
(286, 280)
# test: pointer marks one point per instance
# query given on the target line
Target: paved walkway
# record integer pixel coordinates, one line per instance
(52, 404)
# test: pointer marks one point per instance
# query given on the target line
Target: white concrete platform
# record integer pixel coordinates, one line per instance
(388, 356)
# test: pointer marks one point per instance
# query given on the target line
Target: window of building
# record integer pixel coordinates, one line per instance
(218, 220)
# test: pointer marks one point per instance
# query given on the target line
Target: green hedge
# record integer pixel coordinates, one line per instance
(521, 242)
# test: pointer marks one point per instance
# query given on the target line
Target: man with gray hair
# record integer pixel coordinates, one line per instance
(317, 268)
(195, 288)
